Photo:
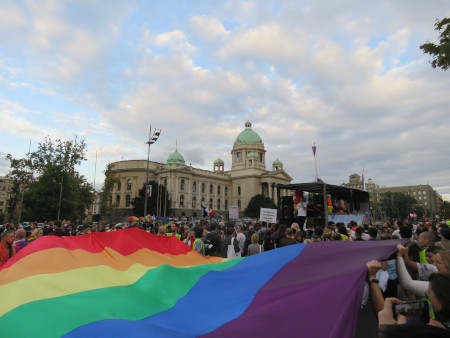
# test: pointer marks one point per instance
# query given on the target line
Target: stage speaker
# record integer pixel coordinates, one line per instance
(287, 210)
(318, 199)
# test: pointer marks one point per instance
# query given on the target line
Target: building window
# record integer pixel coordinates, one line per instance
(194, 201)
(182, 184)
(203, 188)
(226, 204)
(260, 157)
(239, 191)
(210, 203)
(118, 199)
(181, 200)
(119, 185)
(203, 200)
(194, 186)
(127, 200)
(239, 204)
(238, 157)
(218, 204)
(129, 182)
(226, 191)
(218, 190)
(211, 188)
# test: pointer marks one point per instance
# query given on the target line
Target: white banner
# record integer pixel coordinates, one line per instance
(268, 215)
(234, 212)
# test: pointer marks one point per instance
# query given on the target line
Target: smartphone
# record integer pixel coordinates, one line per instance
(416, 312)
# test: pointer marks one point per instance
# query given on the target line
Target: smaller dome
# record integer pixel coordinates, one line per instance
(218, 161)
(175, 158)
(277, 162)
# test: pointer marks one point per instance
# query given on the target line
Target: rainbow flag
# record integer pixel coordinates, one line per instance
(130, 283)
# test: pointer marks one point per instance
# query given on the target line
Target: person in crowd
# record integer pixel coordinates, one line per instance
(262, 232)
(240, 238)
(444, 235)
(57, 229)
(302, 208)
(229, 239)
(288, 239)
(21, 241)
(198, 244)
(423, 270)
(6, 246)
(174, 231)
(214, 241)
(268, 242)
(342, 231)
(317, 235)
(35, 235)
(248, 238)
(373, 233)
(299, 237)
(255, 248)
(418, 250)
(437, 290)
(162, 230)
(358, 233)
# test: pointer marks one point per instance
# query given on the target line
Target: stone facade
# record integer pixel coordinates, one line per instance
(5, 190)
(190, 187)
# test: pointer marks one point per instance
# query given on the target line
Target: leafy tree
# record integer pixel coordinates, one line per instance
(397, 204)
(256, 203)
(41, 176)
(106, 203)
(441, 51)
(445, 210)
(157, 204)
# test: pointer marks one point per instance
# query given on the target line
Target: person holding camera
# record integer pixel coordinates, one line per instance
(437, 291)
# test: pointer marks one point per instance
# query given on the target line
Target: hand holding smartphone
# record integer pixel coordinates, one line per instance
(416, 312)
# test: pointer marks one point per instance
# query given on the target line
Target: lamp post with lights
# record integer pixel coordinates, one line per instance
(151, 139)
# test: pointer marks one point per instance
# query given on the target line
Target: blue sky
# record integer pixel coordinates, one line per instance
(346, 75)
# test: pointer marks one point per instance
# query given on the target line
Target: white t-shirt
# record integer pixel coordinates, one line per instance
(301, 209)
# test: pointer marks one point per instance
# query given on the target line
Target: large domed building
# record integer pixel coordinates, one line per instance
(189, 187)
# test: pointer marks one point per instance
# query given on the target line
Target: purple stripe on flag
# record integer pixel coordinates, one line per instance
(317, 294)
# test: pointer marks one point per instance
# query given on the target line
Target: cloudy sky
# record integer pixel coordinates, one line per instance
(347, 75)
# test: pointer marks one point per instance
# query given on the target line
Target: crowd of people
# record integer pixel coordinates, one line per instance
(420, 269)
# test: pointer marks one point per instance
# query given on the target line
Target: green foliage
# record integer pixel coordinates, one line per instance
(441, 51)
(106, 204)
(398, 205)
(45, 175)
(157, 204)
(256, 203)
(445, 210)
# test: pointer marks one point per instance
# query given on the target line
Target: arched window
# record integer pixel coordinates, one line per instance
(119, 186)
(127, 200)
(226, 191)
(194, 201)
(211, 188)
(210, 203)
(203, 188)
(218, 190)
(239, 204)
(182, 184)
(218, 204)
(129, 182)
(181, 200)
(194, 186)
(118, 199)
(239, 191)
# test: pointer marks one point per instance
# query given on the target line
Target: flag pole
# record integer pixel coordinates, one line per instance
(315, 161)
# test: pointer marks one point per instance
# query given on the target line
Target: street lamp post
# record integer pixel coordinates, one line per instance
(151, 139)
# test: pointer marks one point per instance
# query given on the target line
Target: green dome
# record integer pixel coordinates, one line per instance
(277, 162)
(248, 136)
(175, 158)
(218, 161)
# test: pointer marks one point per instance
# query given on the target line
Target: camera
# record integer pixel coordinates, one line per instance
(416, 312)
